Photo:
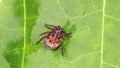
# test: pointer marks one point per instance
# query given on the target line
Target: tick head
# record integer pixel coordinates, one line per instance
(58, 29)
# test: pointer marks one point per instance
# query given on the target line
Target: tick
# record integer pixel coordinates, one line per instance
(53, 39)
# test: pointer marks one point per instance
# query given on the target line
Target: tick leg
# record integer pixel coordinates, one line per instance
(50, 25)
(62, 49)
(66, 34)
(40, 39)
(43, 33)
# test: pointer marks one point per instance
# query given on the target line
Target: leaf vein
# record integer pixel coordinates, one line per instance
(23, 58)
(84, 56)
(102, 39)
(14, 50)
(112, 17)
(63, 11)
(110, 65)
(79, 17)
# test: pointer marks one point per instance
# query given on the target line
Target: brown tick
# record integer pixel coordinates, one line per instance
(53, 38)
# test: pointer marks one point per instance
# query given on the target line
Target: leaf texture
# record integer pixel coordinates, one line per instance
(94, 24)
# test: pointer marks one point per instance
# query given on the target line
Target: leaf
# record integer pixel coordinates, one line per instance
(94, 25)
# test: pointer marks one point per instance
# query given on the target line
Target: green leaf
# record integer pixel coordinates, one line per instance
(94, 42)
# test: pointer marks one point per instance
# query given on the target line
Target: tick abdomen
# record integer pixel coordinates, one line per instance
(52, 42)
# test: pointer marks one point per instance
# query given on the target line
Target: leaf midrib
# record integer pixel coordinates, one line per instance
(102, 39)
(24, 10)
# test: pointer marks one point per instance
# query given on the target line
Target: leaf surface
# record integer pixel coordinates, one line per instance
(94, 42)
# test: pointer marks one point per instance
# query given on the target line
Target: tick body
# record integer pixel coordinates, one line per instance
(53, 39)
